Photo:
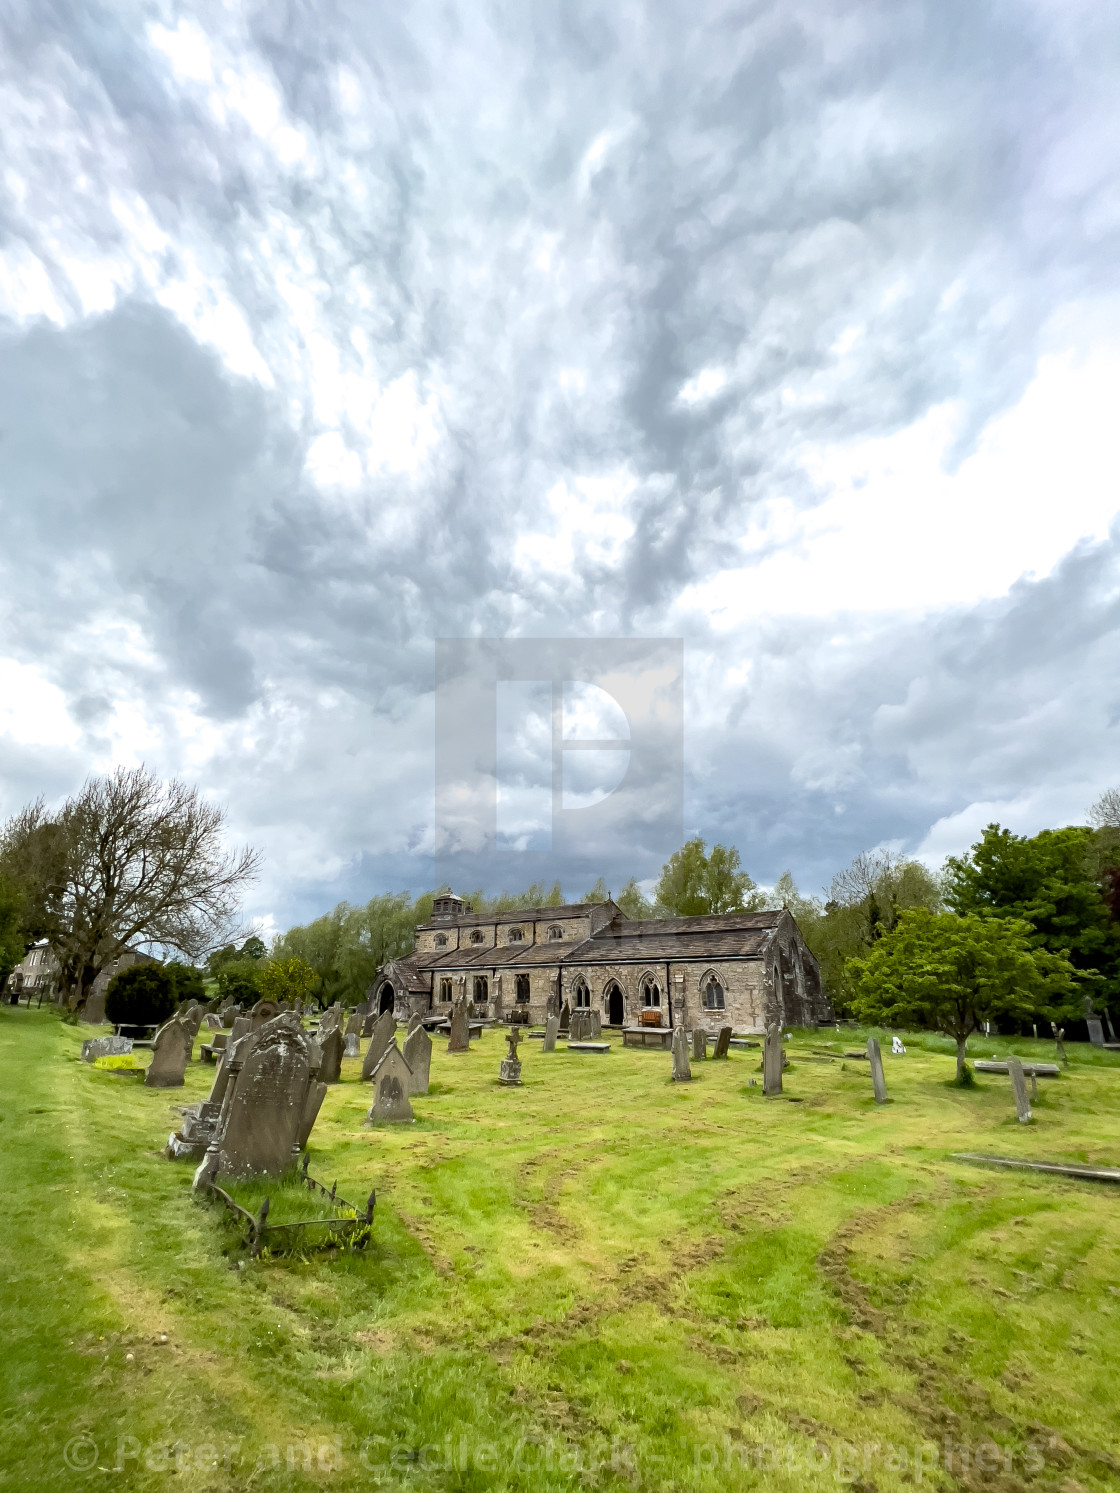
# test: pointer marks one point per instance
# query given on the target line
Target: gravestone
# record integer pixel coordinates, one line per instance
(354, 1025)
(699, 1045)
(551, 1032)
(93, 1012)
(596, 1025)
(682, 1073)
(565, 1019)
(418, 1056)
(1096, 1030)
(369, 1021)
(380, 1037)
(213, 1023)
(723, 1042)
(330, 1064)
(1019, 1086)
(577, 1026)
(460, 1026)
(263, 1011)
(351, 1047)
(391, 1080)
(171, 1052)
(229, 1013)
(772, 1061)
(105, 1047)
(1059, 1044)
(897, 1049)
(878, 1082)
(312, 1104)
(413, 1022)
(265, 1105)
(510, 1074)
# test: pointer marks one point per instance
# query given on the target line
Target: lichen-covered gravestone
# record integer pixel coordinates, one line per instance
(699, 1045)
(264, 1011)
(105, 1047)
(878, 1082)
(510, 1073)
(264, 1110)
(1019, 1087)
(682, 1073)
(170, 1054)
(330, 1066)
(551, 1031)
(391, 1080)
(418, 1056)
(380, 1037)
(772, 1061)
(354, 1026)
(723, 1042)
(460, 1026)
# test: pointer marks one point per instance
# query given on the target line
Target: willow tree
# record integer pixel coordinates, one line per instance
(129, 861)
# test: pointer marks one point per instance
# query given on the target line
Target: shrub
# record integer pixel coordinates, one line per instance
(143, 995)
(189, 984)
(237, 982)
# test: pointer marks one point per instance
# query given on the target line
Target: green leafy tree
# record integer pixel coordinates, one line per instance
(633, 903)
(13, 945)
(237, 982)
(189, 984)
(253, 948)
(1059, 883)
(142, 995)
(290, 979)
(694, 883)
(953, 973)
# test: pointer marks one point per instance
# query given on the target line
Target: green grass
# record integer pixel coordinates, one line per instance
(600, 1279)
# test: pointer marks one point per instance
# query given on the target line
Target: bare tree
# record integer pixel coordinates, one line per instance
(128, 861)
(1105, 813)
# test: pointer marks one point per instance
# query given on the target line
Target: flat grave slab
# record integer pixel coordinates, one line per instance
(1043, 1070)
(589, 1047)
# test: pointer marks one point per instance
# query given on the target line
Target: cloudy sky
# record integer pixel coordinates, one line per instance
(789, 328)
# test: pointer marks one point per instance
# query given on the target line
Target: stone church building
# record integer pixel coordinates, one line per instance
(740, 969)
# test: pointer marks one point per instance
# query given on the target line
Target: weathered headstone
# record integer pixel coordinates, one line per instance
(565, 1018)
(723, 1042)
(213, 1023)
(772, 1061)
(1019, 1085)
(265, 1105)
(369, 1021)
(460, 1026)
(418, 1056)
(170, 1054)
(354, 1025)
(551, 1032)
(596, 1028)
(413, 1022)
(264, 1011)
(699, 1044)
(682, 1073)
(1059, 1044)
(380, 1037)
(105, 1047)
(312, 1104)
(391, 1080)
(878, 1082)
(93, 1012)
(352, 1046)
(1096, 1030)
(510, 1073)
(330, 1064)
(898, 1050)
(229, 1013)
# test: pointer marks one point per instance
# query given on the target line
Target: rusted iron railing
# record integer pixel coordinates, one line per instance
(348, 1229)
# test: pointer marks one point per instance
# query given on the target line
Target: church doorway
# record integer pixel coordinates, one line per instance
(616, 1008)
(386, 1001)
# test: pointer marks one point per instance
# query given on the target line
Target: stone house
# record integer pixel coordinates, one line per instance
(739, 969)
(36, 977)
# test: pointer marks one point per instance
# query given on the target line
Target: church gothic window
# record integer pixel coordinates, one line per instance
(445, 991)
(515, 935)
(713, 995)
(582, 994)
(523, 990)
(481, 990)
(477, 936)
(555, 932)
(651, 994)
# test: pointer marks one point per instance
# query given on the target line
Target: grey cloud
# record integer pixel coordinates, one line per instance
(771, 176)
